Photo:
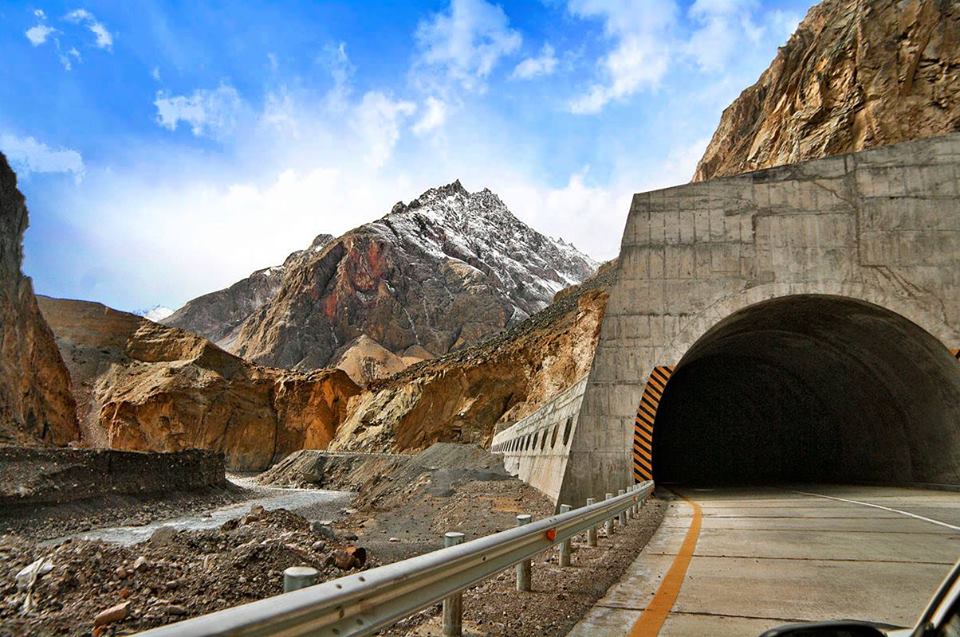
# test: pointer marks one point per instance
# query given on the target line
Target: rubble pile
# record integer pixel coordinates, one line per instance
(95, 588)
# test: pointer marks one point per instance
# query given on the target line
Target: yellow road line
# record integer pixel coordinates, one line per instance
(655, 614)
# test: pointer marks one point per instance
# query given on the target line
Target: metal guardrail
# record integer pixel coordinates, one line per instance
(366, 602)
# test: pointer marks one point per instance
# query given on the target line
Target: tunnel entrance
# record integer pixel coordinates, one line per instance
(811, 388)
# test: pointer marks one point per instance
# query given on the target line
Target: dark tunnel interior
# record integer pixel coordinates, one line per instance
(811, 389)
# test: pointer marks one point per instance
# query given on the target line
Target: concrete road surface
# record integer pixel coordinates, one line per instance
(740, 561)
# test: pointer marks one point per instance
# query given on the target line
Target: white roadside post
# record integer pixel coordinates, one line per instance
(524, 569)
(609, 523)
(297, 577)
(453, 605)
(592, 531)
(623, 514)
(565, 545)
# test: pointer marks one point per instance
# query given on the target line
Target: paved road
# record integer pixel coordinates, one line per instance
(739, 561)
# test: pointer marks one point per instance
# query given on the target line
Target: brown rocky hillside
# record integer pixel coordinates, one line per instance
(35, 401)
(148, 387)
(463, 396)
(856, 74)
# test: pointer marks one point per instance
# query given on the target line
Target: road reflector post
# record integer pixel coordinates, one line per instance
(592, 531)
(524, 568)
(609, 523)
(297, 577)
(623, 514)
(565, 545)
(453, 605)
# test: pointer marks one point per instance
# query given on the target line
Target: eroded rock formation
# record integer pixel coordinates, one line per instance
(36, 405)
(463, 396)
(856, 74)
(149, 387)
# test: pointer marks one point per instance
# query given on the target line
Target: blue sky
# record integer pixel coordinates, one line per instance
(167, 149)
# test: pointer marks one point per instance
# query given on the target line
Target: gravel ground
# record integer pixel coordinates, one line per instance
(172, 576)
(560, 596)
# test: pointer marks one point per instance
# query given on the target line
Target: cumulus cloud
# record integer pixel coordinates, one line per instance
(464, 44)
(377, 121)
(38, 34)
(211, 113)
(641, 32)
(543, 64)
(104, 39)
(27, 155)
(433, 118)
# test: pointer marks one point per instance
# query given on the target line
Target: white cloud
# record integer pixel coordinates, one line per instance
(213, 113)
(544, 64)
(377, 122)
(434, 117)
(723, 24)
(642, 34)
(157, 313)
(27, 155)
(464, 44)
(155, 73)
(40, 14)
(38, 34)
(104, 39)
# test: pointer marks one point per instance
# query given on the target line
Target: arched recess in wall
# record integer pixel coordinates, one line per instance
(811, 388)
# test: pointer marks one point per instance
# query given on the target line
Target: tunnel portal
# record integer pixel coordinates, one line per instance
(811, 388)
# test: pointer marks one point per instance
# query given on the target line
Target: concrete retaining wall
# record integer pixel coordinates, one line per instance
(535, 449)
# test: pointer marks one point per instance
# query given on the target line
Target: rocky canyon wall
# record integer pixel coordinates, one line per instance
(36, 406)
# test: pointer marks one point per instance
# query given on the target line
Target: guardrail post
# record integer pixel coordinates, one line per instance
(635, 507)
(623, 514)
(297, 577)
(592, 531)
(565, 545)
(453, 605)
(524, 574)
(609, 523)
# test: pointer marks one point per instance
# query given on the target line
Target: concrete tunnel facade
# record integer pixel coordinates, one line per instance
(807, 312)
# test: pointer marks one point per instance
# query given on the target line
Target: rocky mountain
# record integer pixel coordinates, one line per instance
(36, 405)
(148, 387)
(217, 316)
(464, 395)
(856, 74)
(430, 277)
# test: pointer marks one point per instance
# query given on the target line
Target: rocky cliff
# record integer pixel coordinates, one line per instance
(856, 74)
(430, 277)
(35, 401)
(463, 396)
(218, 315)
(148, 387)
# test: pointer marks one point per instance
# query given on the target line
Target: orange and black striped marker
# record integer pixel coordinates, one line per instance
(643, 425)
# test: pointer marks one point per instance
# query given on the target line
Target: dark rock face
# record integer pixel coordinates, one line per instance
(36, 405)
(856, 74)
(430, 277)
(217, 315)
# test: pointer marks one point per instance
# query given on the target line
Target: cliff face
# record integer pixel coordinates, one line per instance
(430, 277)
(217, 316)
(856, 74)
(147, 387)
(35, 401)
(463, 396)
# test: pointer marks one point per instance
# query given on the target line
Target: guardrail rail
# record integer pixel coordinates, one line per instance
(365, 602)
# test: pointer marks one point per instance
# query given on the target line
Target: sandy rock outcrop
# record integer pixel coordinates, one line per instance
(463, 396)
(36, 406)
(148, 387)
(856, 74)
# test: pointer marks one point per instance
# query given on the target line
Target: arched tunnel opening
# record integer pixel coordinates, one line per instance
(811, 388)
